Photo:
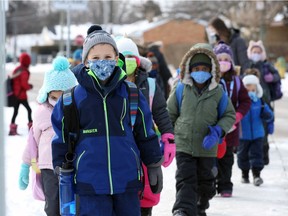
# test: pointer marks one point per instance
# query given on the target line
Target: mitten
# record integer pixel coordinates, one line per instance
(239, 117)
(269, 78)
(212, 138)
(155, 177)
(270, 127)
(35, 165)
(169, 148)
(221, 149)
(24, 176)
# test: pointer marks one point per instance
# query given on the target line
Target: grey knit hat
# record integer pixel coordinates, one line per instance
(96, 35)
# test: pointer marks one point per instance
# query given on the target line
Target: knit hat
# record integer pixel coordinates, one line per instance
(24, 59)
(252, 79)
(200, 59)
(77, 55)
(127, 47)
(60, 78)
(222, 48)
(95, 35)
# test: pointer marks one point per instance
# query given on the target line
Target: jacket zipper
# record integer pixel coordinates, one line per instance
(123, 114)
(139, 170)
(77, 165)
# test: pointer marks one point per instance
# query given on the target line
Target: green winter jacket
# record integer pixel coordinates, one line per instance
(198, 111)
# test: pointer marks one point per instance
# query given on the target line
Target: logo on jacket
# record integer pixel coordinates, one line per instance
(90, 131)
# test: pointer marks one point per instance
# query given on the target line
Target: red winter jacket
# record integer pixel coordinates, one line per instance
(20, 83)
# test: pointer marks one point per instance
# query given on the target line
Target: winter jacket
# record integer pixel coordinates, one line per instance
(265, 67)
(108, 150)
(159, 111)
(20, 82)
(198, 111)
(239, 49)
(42, 134)
(241, 103)
(252, 124)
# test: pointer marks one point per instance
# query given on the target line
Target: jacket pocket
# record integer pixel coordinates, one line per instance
(138, 164)
(77, 165)
(123, 113)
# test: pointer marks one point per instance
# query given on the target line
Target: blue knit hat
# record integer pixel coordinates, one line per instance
(221, 48)
(77, 55)
(60, 78)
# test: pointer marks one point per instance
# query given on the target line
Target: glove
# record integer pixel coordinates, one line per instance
(35, 165)
(31, 86)
(239, 117)
(169, 148)
(221, 149)
(269, 78)
(24, 176)
(270, 127)
(155, 177)
(212, 138)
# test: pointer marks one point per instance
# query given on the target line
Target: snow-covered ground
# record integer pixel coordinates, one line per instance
(270, 199)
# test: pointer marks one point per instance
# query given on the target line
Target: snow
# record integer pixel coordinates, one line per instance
(270, 199)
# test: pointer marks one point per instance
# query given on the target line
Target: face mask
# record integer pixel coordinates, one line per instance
(224, 66)
(255, 57)
(253, 96)
(52, 102)
(102, 68)
(131, 65)
(201, 76)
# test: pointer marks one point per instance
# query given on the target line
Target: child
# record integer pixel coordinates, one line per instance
(250, 151)
(20, 80)
(137, 70)
(269, 80)
(198, 129)
(107, 165)
(235, 89)
(38, 150)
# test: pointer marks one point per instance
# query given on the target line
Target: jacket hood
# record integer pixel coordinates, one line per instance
(256, 44)
(184, 65)
(24, 59)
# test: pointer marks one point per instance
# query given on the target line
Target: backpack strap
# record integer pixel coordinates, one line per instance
(179, 94)
(133, 99)
(71, 122)
(152, 89)
(222, 104)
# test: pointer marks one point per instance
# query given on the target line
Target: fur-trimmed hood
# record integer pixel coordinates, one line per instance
(184, 65)
(256, 44)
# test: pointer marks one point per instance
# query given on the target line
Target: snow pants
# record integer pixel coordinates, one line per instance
(195, 183)
(110, 205)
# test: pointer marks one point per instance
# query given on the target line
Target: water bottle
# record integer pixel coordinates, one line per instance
(66, 192)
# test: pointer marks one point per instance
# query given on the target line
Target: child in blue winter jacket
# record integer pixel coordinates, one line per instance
(250, 150)
(110, 147)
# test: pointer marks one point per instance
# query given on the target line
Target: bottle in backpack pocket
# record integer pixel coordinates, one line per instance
(66, 192)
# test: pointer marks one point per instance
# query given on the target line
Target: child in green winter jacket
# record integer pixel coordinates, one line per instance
(198, 128)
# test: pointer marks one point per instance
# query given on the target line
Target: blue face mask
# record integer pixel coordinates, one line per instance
(253, 96)
(102, 68)
(201, 76)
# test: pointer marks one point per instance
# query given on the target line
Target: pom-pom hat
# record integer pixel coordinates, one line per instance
(96, 35)
(60, 78)
(252, 79)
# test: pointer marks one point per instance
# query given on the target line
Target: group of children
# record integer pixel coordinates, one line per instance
(126, 129)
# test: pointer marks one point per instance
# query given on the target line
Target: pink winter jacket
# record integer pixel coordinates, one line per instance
(40, 138)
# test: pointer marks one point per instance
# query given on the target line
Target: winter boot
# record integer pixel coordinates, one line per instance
(29, 125)
(257, 179)
(179, 212)
(146, 211)
(13, 130)
(245, 177)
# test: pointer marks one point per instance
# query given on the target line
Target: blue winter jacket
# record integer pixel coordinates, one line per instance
(252, 123)
(108, 151)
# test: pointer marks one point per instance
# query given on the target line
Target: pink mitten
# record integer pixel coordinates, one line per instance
(239, 117)
(269, 78)
(169, 148)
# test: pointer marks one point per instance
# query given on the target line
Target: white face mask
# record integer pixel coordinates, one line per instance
(255, 57)
(52, 102)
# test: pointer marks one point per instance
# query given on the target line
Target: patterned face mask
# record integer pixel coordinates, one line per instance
(201, 76)
(102, 68)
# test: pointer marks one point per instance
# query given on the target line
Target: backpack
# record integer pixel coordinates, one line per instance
(274, 88)
(11, 98)
(238, 86)
(71, 117)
